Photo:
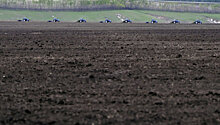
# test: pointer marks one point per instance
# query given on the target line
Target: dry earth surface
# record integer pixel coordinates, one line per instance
(70, 73)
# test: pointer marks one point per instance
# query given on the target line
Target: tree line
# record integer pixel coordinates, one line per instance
(194, 0)
(81, 5)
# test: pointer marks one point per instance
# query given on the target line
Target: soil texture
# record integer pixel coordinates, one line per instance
(71, 73)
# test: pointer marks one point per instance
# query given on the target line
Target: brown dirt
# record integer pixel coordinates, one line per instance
(68, 73)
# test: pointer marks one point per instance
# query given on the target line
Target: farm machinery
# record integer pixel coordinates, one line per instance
(153, 21)
(175, 22)
(127, 21)
(106, 21)
(54, 20)
(24, 20)
(197, 22)
(81, 20)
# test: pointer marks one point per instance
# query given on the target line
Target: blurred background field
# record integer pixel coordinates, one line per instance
(115, 15)
(187, 11)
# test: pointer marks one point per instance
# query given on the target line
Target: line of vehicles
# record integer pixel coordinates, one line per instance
(153, 21)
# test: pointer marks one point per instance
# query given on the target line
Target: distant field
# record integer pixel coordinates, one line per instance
(95, 16)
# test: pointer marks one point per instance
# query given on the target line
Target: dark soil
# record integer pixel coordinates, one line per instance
(69, 73)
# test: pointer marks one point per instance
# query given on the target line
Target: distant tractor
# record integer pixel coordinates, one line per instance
(106, 21)
(127, 21)
(153, 21)
(197, 22)
(54, 20)
(175, 22)
(24, 20)
(81, 21)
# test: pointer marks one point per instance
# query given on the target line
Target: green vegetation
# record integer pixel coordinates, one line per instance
(194, 0)
(210, 7)
(96, 16)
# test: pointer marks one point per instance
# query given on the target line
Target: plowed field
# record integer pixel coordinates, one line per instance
(70, 73)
